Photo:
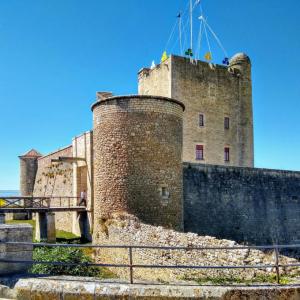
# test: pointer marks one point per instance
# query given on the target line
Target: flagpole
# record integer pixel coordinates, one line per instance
(180, 35)
(191, 22)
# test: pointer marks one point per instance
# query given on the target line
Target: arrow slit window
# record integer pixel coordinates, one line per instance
(201, 120)
(226, 123)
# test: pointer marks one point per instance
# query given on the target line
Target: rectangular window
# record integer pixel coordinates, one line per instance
(199, 152)
(227, 154)
(201, 120)
(226, 123)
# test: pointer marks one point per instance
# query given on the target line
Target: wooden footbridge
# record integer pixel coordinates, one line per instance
(40, 204)
(45, 209)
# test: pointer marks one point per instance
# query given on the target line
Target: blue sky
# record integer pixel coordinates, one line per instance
(55, 55)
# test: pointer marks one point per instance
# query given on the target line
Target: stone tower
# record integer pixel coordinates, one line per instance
(218, 121)
(28, 169)
(138, 159)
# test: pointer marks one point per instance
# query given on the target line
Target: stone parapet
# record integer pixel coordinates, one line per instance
(15, 233)
(66, 288)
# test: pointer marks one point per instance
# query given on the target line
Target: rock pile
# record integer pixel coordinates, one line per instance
(125, 229)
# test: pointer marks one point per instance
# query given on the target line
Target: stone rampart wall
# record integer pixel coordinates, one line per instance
(258, 206)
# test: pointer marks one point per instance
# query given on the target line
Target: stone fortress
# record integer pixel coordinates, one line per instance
(178, 155)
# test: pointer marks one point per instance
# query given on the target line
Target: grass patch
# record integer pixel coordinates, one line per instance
(268, 279)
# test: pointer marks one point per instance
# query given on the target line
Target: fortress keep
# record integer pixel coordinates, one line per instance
(179, 155)
(218, 118)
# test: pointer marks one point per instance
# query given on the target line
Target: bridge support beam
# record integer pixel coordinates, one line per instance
(2, 218)
(84, 226)
(45, 227)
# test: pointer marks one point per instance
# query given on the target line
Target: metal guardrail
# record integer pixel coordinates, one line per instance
(37, 202)
(131, 266)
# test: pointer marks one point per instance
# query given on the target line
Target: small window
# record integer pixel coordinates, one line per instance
(199, 152)
(201, 120)
(227, 154)
(164, 192)
(226, 123)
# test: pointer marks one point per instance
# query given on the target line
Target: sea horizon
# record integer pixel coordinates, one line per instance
(8, 193)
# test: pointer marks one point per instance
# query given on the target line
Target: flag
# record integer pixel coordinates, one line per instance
(153, 65)
(226, 61)
(164, 57)
(2, 202)
(189, 52)
(208, 56)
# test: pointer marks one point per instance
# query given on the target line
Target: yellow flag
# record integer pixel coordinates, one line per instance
(2, 202)
(208, 56)
(164, 57)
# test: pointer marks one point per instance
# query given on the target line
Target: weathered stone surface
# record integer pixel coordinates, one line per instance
(137, 159)
(6, 292)
(80, 288)
(45, 227)
(15, 233)
(258, 206)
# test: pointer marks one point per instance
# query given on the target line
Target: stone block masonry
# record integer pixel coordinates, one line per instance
(257, 206)
(215, 92)
(137, 159)
(15, 233)
(69, 288)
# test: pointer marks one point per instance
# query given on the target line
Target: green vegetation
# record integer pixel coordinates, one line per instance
(65, 255)
(269, 279)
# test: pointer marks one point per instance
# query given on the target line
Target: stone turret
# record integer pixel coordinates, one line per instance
(240, 65)
(137, 159)
(28, 169)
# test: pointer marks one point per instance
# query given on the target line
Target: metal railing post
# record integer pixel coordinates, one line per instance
(130, 265)
(277, 265)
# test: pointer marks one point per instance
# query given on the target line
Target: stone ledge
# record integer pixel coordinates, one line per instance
(89, 288)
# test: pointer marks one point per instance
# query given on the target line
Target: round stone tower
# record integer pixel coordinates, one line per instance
(138, 159)
(28, 169)
(240, 65)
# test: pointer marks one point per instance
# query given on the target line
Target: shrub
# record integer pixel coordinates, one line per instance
(66, 255)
